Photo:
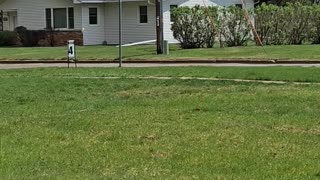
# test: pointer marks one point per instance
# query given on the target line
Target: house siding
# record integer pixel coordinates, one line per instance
(93, 34)
(31, 13)
(133, 31)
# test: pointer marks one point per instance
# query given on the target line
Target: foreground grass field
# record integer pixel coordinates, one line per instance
(303, 52)
(56, 125)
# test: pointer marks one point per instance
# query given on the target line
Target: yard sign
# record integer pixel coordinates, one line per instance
(71, 52)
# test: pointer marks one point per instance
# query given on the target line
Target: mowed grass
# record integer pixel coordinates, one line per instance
(290, 74)
(148, 52)
(55, 125)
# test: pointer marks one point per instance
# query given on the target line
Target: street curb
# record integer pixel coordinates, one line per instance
(218, 61)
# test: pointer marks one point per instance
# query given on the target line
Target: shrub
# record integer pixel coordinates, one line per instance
(272, 24)
(314, 34)
(234, 26)
(299, 26)
(266, 17)
(30, 38)
(279, 33)
(193, 28)
(290, 24)
(8, 38)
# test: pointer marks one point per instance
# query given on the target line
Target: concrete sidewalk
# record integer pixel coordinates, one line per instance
(110, 65)
(193, 78)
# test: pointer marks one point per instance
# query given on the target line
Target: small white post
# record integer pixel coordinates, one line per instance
(71, 52)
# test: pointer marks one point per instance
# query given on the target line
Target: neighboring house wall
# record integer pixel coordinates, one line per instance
(31, 13)
(133, 31)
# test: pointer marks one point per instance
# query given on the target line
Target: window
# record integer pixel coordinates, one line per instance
(93, 16)
(172, 7)
(239, 6)
(59, 18)
(71, 18)
(143, 14)
(48, 19)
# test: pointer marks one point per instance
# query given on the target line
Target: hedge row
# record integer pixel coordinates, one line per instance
(24, 37)
(199, 27)
(8, 38)
(291, 24)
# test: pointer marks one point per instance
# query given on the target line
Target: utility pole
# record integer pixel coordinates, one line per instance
(1, 17)
(159, 24)
(120, 33)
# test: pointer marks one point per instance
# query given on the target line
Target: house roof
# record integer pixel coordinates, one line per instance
(1, 1)
(91, 1)
(100, 1)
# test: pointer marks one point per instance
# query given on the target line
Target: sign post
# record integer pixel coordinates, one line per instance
(72, 53)
(120, 32)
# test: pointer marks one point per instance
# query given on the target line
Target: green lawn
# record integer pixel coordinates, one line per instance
(303, 52)
(55, 125)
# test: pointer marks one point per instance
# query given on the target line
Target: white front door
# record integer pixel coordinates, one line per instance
(13, 20)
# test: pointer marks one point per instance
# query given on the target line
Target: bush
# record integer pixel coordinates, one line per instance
(290, 24)
(267, 17)
(299, 27)
(293, 23)
(234, 26)
(193, 28)
(8, 38)
(30, 38)
(272, 24)
(314, 34)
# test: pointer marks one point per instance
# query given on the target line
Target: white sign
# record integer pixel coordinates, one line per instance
(71, 49)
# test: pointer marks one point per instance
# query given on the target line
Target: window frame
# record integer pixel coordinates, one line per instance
(239, 6)
(48, 12)
(139, 15)
(52, 18)
(71, 16)
(66, 18)
(97, 17)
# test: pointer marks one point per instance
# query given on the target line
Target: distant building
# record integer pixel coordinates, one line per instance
(97, 19)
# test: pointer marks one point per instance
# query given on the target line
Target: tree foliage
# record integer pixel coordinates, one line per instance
(284, 2)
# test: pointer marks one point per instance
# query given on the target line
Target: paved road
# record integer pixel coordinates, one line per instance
(108, 65)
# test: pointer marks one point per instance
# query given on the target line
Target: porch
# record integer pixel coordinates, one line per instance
(8, 19)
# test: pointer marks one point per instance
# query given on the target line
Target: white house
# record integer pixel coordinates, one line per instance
(97, 19)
